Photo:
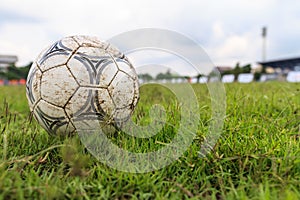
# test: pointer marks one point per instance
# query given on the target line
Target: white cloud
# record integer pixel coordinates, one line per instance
(230, 49)
(233, 46)
(218, 32)
(25, 40)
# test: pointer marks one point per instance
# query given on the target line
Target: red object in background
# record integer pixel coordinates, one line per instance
(22, 82)
(13, 82)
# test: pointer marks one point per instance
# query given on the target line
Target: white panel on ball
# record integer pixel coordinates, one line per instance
(69, 43)
(125, 67)
(122, 90)
(79, 101)
(122, 114)
(105, 101)
(107, 73)
(92, 41)
(80, 69)
(58, 85)
(52, 111)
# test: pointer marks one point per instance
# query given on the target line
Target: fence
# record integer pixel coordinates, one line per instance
(293, 76)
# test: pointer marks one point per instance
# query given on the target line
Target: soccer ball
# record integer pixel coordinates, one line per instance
(80, 78)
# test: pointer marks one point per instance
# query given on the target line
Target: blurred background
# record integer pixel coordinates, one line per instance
(236, 34)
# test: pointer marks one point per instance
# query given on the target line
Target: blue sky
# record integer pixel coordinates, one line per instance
(228, 30)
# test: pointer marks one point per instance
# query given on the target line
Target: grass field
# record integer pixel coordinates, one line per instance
(257, 156)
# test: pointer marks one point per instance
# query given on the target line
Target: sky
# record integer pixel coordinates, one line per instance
(229, 31)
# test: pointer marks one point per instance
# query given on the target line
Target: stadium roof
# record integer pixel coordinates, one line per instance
(290, 63)
(8, 59)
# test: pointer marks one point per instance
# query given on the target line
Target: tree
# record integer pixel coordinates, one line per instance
(160, 76)
(14, 72)
(145, 77)
(257, 76)
(166, 75)
(236, 71)
(246, 68)
(199, 77)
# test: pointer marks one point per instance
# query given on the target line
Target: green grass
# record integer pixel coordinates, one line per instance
(257, 156)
